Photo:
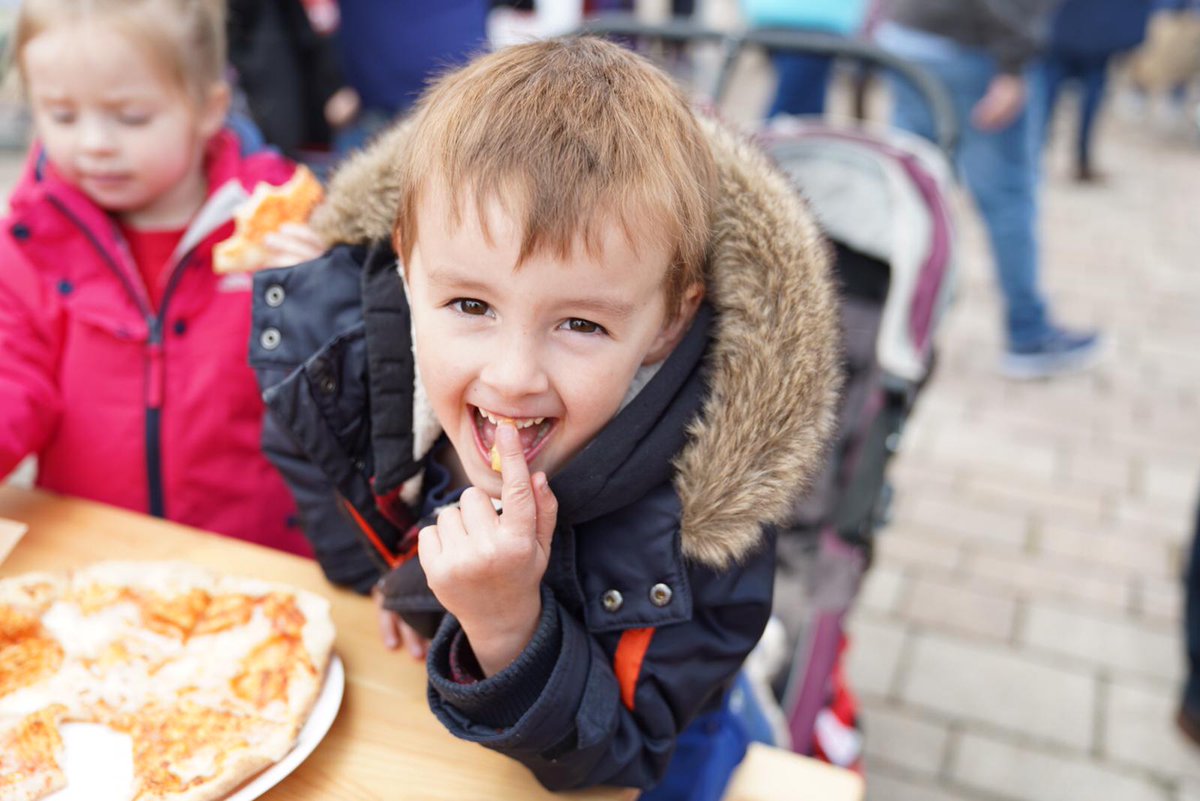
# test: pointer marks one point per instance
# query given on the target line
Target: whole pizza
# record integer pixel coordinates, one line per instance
(210, 676)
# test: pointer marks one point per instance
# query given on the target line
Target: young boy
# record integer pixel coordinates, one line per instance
(630, 313)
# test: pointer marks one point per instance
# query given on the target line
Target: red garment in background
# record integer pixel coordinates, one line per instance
(151, 251)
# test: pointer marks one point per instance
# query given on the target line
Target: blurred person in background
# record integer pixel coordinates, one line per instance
(981, 50)
(1085, 35)
(1168, 63)
(804, 78)
(390, 49)
(287, 70)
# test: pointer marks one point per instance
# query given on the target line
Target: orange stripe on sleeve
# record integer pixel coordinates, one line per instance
(627, 661)
(393, 561)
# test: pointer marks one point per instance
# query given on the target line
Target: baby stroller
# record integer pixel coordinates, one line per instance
(882, 198)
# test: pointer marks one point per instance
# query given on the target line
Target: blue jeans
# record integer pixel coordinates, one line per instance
(999, 167)
(708, 751)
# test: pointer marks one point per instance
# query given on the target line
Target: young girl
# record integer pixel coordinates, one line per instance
(122, 355)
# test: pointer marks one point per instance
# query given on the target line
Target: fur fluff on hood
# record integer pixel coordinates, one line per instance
(775, 363)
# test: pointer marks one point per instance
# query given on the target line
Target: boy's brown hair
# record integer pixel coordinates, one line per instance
(569, 135)
(185, 37)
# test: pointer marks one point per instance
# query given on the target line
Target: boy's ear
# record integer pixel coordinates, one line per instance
(214, 108)
(674, 329)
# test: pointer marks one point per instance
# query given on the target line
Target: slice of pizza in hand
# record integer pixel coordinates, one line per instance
(268, 209)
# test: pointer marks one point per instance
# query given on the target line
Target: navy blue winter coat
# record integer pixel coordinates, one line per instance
(661, 571)
(1099, 27)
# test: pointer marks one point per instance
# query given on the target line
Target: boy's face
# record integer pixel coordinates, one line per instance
(114, 125)
(553, 345)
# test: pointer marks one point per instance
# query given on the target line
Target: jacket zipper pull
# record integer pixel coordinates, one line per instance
(157, 377)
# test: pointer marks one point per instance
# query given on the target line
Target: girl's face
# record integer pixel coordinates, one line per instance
(114, 125)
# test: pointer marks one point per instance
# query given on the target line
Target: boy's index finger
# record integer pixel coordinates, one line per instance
(516, 490)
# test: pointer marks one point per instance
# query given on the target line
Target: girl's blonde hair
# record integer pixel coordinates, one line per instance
(570, 135)
(185, 37)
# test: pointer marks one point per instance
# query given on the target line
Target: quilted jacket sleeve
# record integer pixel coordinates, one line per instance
(305, 307)
(30, 339)
(558, 708)
(336, 543)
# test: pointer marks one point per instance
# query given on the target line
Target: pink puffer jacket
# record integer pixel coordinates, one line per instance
(155, 412)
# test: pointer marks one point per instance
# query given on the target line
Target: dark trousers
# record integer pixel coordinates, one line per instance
(802, 83)
(1191, 611)
(1091, 73)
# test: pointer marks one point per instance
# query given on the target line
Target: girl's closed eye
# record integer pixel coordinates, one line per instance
(61, 115)
(134, 118)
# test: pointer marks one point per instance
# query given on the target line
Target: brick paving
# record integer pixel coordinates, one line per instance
(1019, 636)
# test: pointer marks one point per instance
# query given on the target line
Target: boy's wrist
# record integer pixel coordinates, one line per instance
(497, 643)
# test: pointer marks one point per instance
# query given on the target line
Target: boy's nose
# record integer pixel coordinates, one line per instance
(514, 370)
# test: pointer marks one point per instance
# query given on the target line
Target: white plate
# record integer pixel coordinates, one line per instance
(99, 761)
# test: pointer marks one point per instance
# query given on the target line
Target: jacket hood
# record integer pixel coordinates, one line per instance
(773, 367)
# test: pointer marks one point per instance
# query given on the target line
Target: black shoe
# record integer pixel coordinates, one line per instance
(1188, 722)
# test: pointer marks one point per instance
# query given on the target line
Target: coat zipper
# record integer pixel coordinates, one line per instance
(155, 361)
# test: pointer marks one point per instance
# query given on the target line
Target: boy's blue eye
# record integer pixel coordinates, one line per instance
(471, 306)
(581, 326)
(134, 119)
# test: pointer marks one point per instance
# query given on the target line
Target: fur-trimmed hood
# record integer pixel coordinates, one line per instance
(775, 367)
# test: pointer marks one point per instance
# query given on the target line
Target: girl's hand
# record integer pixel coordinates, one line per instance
(487, 569)
(395, 632)
(292, 244)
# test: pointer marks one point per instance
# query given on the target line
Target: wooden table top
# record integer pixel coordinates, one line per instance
(385, 743)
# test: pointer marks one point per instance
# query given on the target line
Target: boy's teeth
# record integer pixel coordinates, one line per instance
(526, 423)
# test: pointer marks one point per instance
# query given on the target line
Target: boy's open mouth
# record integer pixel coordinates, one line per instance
(533, 431)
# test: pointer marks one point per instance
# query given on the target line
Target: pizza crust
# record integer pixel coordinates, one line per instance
(217, 673)
(31, 755)
(268, 209)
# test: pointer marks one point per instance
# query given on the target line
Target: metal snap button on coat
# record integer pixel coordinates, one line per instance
(274, 295)
(612, 600)
(270, 338)
(329, 385)
(660, 595)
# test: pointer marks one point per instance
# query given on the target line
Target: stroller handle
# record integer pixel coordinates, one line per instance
(675, 29)
(790, 40)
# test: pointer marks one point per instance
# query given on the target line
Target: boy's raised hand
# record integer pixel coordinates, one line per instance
(485, 568)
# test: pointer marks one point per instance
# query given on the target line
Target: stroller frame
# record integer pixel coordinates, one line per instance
(902, 358)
